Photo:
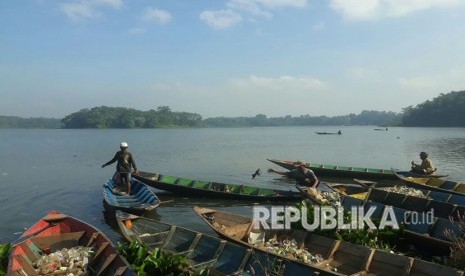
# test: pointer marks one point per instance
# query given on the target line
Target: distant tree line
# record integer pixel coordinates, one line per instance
(120, 117)
(446, 110)
(18, 122)
(381, 118)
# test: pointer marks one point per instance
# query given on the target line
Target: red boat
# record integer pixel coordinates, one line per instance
(57, 231)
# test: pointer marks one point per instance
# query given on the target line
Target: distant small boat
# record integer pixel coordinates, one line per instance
(56, 231)
(211, 189)
(140, 200)
(326, 133)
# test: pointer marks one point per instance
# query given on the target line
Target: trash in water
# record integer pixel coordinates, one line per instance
(70, 260)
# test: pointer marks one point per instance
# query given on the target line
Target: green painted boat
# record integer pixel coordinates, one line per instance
(426, 234)
(444, 205)
(335, 256)
(349, 172)
(202, 251)
(211, 189)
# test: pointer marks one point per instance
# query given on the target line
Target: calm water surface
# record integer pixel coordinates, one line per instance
(43, 170)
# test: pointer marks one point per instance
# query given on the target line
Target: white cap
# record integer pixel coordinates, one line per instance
(123, 145)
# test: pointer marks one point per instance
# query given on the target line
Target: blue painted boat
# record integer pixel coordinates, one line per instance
(140, 200)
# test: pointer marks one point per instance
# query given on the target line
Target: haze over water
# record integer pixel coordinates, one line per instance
(43, 170)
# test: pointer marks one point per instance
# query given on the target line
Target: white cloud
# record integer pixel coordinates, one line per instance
(282, 83)
(220, 19)
(87, 9)
(248, 6)
(136, 31)
(282, 3)
(375, 9)
(318, 26)
(450, 80)
(154, 14)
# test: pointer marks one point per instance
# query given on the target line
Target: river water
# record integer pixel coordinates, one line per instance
(43, 170)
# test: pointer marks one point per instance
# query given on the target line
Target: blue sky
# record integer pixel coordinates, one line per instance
(228, 58)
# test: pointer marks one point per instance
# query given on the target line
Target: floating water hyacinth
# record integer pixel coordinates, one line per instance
(406, 191)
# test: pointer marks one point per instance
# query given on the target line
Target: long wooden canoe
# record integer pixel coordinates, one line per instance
(56, 231)
(328, 133)
(203, 251)
(140, 200)
(201, 188)
(425, 234)
(349, 172)
(444, 205)
(434, 184)
(343, 257)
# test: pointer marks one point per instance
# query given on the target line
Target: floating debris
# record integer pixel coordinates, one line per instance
(67, 261)
(290, 249)
(325, 197)
(406, 191)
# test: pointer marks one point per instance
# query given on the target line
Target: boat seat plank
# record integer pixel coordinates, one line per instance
(441, 209)
(324, 246)
(231, 259)
(378, 209)
(350, 258)
(424, 268)
(26, 265)
(58, 242)
(449, 185)
(457, 199)
(395, 199)
(384, 263)
(54, 217)
(440, 196)
(460, 188)
(106, 264)
(414, 203)
(377, 195)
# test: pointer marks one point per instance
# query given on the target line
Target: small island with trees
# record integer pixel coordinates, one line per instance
(446, 110)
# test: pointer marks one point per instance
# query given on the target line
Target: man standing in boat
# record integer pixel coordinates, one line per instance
(426, 166)
(303, 175)
(123, 167)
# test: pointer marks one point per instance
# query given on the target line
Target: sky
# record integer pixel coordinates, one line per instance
(228, 58)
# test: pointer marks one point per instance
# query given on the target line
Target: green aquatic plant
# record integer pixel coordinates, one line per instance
(156, 262)
(383, 239)
(4, 249)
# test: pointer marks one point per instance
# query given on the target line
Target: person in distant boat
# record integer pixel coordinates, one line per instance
(124, 165)
(303, 175)
(426, 166)
(339, 132)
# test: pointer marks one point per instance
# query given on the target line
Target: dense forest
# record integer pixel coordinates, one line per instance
(120, 117)
(446, 110)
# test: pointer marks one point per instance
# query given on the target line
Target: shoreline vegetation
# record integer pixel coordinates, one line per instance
(446, 110)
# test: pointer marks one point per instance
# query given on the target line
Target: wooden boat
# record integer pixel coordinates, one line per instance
(428, 232)
(343, 257)
(434, 184)
(191, 187)
(328, 133)
(203, 251)
(349, 172)
(140, 200)
(444, 205)
(56, 231)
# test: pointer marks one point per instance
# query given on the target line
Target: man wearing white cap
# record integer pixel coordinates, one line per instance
(125, 162)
